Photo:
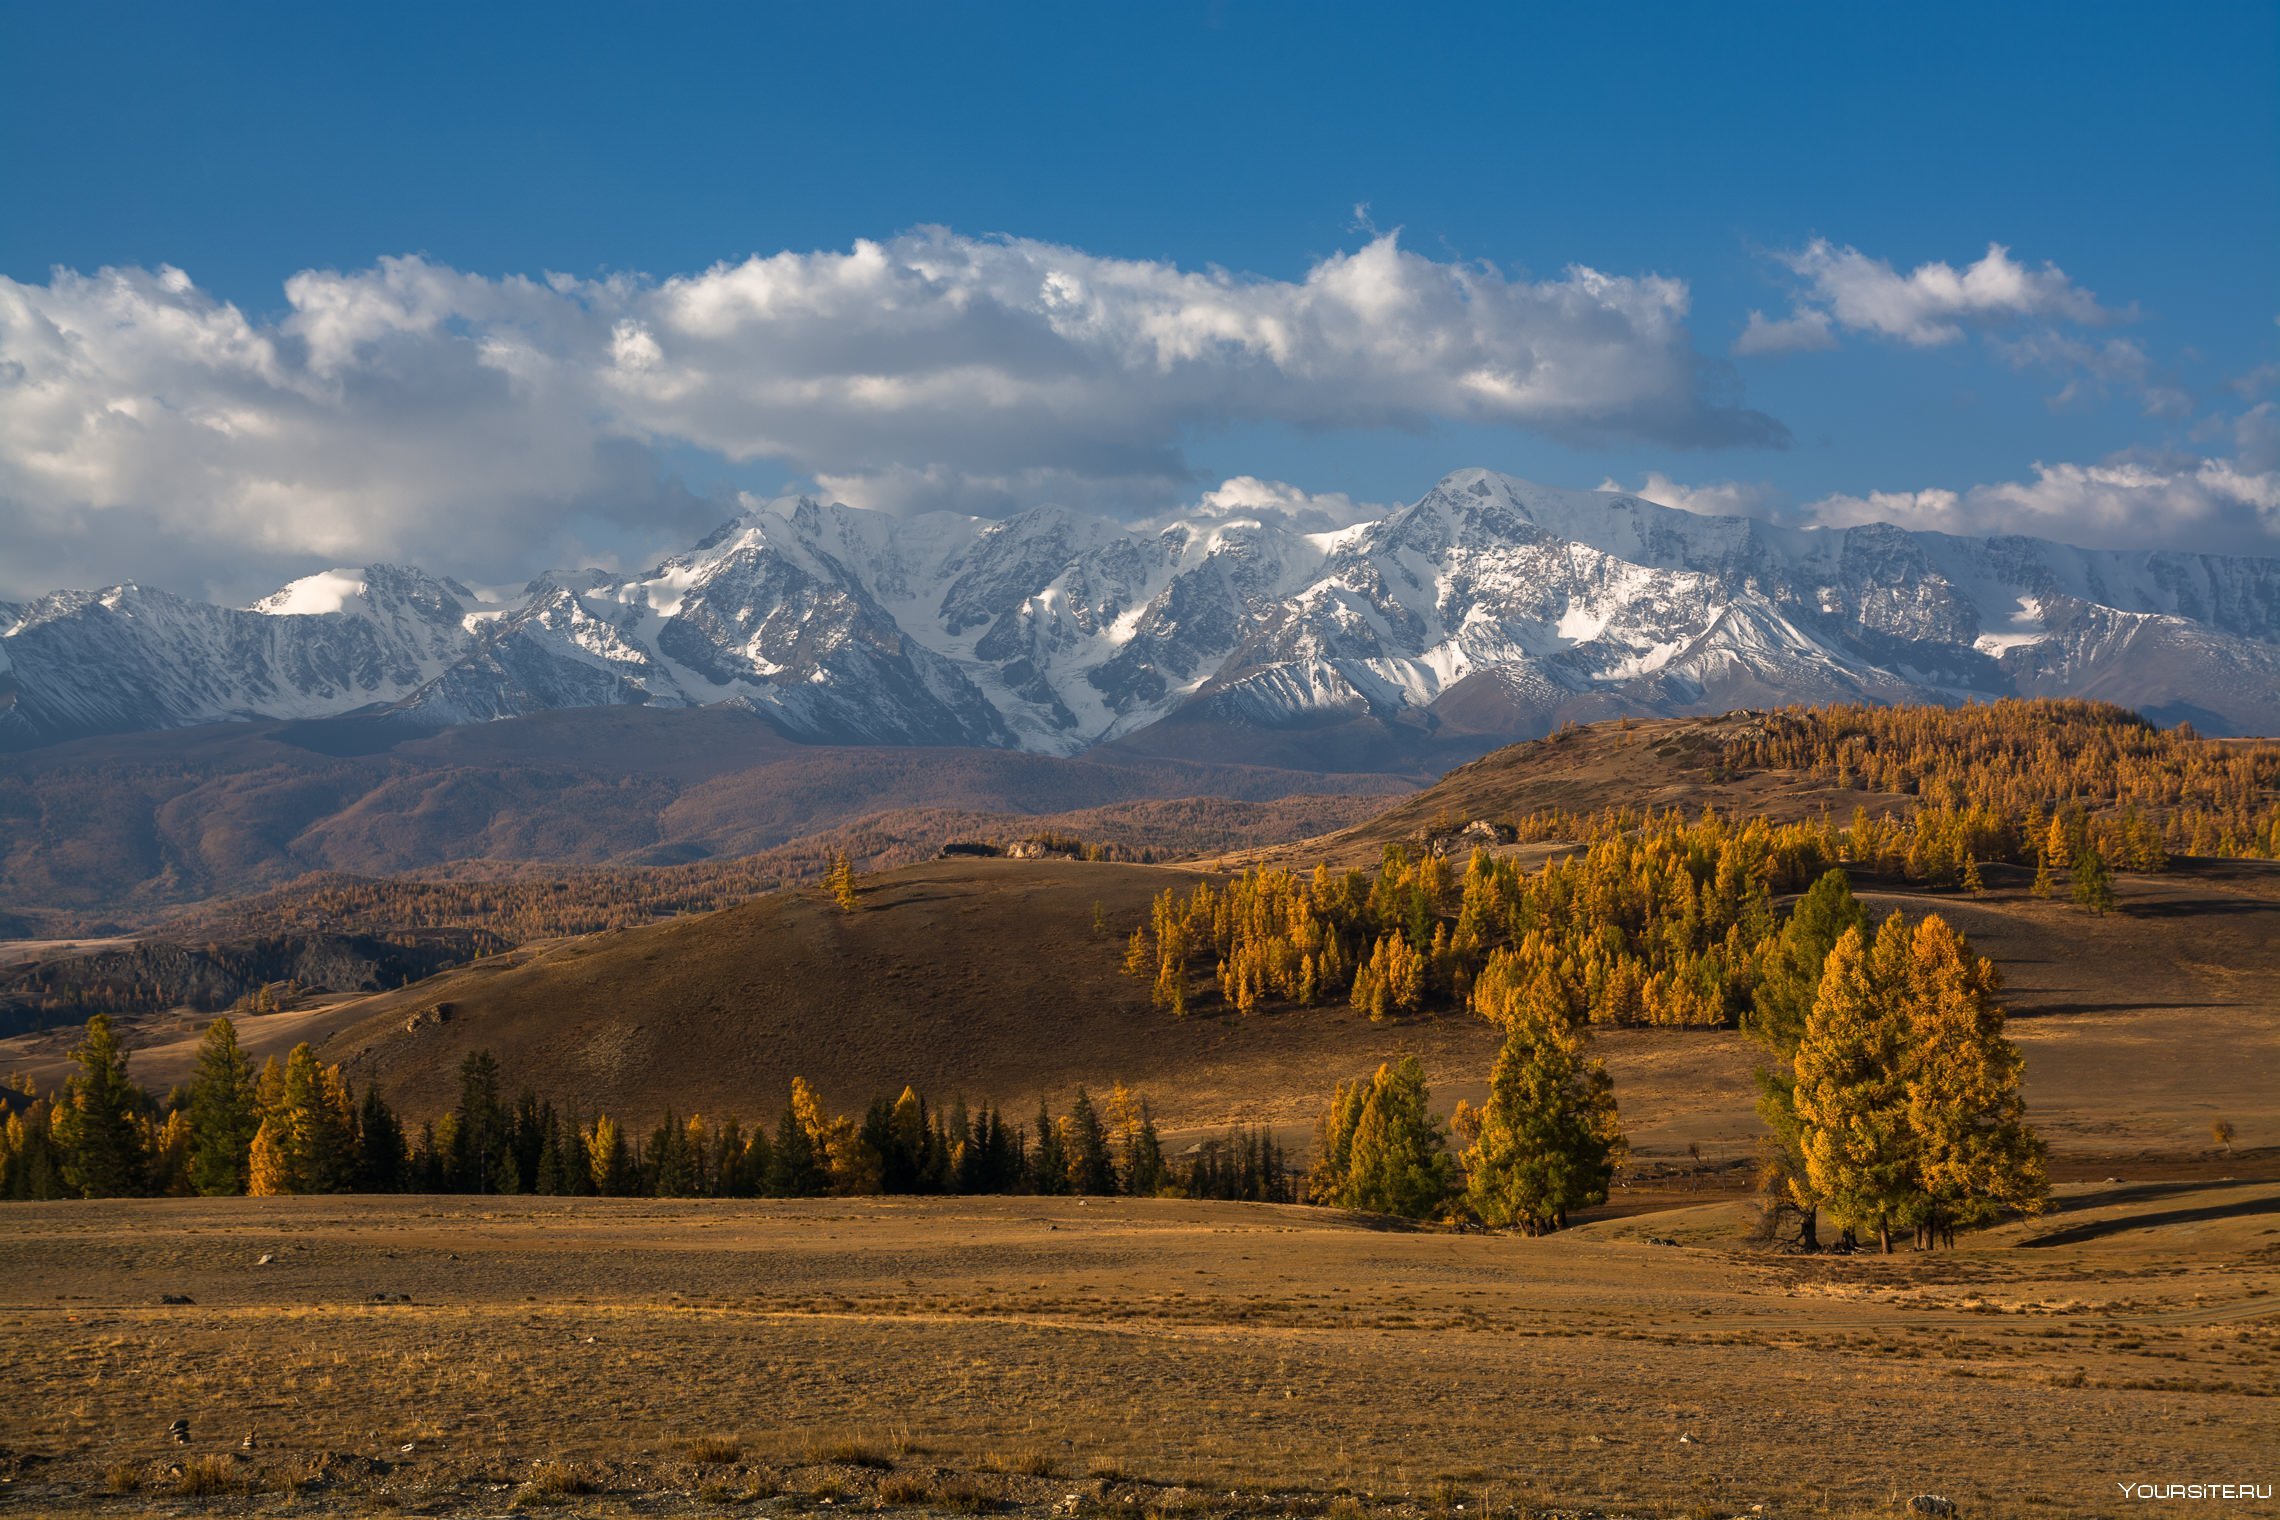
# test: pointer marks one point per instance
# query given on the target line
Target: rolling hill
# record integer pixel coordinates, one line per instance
(1651, 764)
(126, 829)
(985, 978)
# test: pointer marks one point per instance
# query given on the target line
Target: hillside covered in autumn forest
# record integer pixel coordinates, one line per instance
(1638, 873)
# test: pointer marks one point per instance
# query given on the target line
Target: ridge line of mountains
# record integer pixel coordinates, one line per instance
(1489, 610)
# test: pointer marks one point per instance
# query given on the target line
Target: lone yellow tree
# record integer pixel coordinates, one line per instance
(839, 881)
(1789, 981)
(1966, 1106)
(1851, 1095)
(306, 1142)
(270, 1171)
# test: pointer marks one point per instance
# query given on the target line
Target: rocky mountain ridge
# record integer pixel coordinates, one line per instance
(1489, 607)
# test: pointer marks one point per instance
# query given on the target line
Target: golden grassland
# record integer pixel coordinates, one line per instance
(1119, 1357)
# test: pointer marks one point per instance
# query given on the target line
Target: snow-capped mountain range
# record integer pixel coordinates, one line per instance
(1490, 607)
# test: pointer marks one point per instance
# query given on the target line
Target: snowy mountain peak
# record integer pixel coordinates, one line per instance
(1489, 600)
(372, 591)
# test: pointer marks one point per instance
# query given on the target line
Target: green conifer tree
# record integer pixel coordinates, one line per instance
(222, 1117)
(1092, 1170)
(382, 1159)
(95, 1121)
(1049, 1161)
(903, 1157)
(480, 1138)
(795, 1170)
(1548, 1137)
(1396, 1154)
(672, 1169)
(2093, 887)
(1145, 1172)
(551, 1178)
(526, 1136)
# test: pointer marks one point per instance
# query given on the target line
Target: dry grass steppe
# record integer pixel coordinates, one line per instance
(1161, 1358)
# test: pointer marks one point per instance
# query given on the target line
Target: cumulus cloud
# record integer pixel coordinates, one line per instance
(1932, 304)
(148, 429)
(1243, 496)
(2260, 380)
(2128, 501)
(1725, 498)
(2256, 439)
(1801, 332)
(2212, 501)
(413, 410)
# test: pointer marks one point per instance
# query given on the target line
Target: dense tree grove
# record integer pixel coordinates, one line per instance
(1656, 923)
(1892, 1099)
(2021, 761)
(510, 903)
(296, 1126)
(1656, 918)
(507, 904)
(155, 975)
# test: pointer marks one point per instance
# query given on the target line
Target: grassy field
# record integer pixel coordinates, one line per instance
(1120, 1358)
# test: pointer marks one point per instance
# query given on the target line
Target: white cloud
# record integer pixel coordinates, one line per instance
(2259, 380)
(147, 429)
(1842, 287)
(2206, 502)
(1803, 331)
(2256, 439)
(2094, 368)
(1725, 498)
(1242, 496)
(412, 410)
(2127, 501)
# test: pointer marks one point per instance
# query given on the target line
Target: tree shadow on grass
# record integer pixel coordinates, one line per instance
(2099, 1229)
(2018, 1012)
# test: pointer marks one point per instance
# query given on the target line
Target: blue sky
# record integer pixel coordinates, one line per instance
(1797, 162)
